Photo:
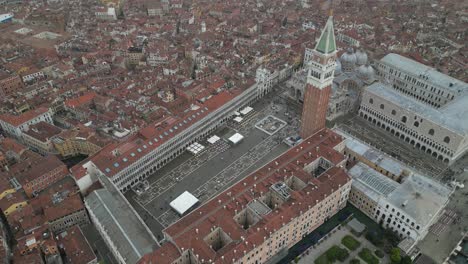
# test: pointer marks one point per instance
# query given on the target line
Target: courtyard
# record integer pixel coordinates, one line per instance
(337, 244)
(329, 238)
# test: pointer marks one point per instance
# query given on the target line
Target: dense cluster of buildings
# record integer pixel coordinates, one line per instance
(127, 96)
(39, 202)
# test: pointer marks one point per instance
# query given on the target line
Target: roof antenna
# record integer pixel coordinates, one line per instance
(330, 12)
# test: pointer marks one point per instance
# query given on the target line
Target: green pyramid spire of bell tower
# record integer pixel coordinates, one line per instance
(326, 43)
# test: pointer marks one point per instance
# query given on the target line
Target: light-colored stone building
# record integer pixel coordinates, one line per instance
(421, 106)
(408, 208)
(392, 194)
(14, 125)
(440, 132)
(39, 137)
(357, 151)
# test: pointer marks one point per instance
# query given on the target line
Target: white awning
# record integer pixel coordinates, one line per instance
(195, 148)
(236, 138)
(238, 119)
(213, 139)
(246, 110)
(183, 202)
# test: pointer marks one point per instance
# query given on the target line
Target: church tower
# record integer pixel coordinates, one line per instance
(319, 81)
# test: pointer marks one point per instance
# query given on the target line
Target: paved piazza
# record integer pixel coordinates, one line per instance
(383, 140)
(219, 165)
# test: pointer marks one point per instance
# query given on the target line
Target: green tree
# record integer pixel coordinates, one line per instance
(395, 255)
(406, 260)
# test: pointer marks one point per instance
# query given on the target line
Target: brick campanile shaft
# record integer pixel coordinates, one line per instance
(321, 70)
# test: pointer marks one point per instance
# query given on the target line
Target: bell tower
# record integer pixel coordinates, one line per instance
(319, 81)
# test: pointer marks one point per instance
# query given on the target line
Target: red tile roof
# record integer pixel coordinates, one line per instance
(76, 246)
(23, 118)
(150, 137)
(82, 100)
(37, 169)
(69, 205)
(42, 131)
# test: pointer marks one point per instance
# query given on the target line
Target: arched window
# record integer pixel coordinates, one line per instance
(416, 124)
(447, 140)
(382, 106)
(371, 101)
(393, 112)
(431, 132)
(403, 119)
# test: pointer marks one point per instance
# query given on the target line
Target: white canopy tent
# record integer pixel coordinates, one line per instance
(236, 138)
(213, 139)
(238, 119)
(184, 202)
(195, 148)
(246, 110)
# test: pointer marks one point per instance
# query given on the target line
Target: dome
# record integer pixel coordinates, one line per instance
(348, 57)
(366, 72)
(361, 57)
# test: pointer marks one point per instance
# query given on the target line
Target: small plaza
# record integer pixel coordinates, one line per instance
(346, 246)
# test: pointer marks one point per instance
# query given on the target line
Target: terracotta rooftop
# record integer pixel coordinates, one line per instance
(32, 170)
(11, 199)
(116, 157)
(76, 246)
(63, 204)
(81, 100)
(31, 258)
(9, 144)
(42, 131)
(23, 118)
(189, 232)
